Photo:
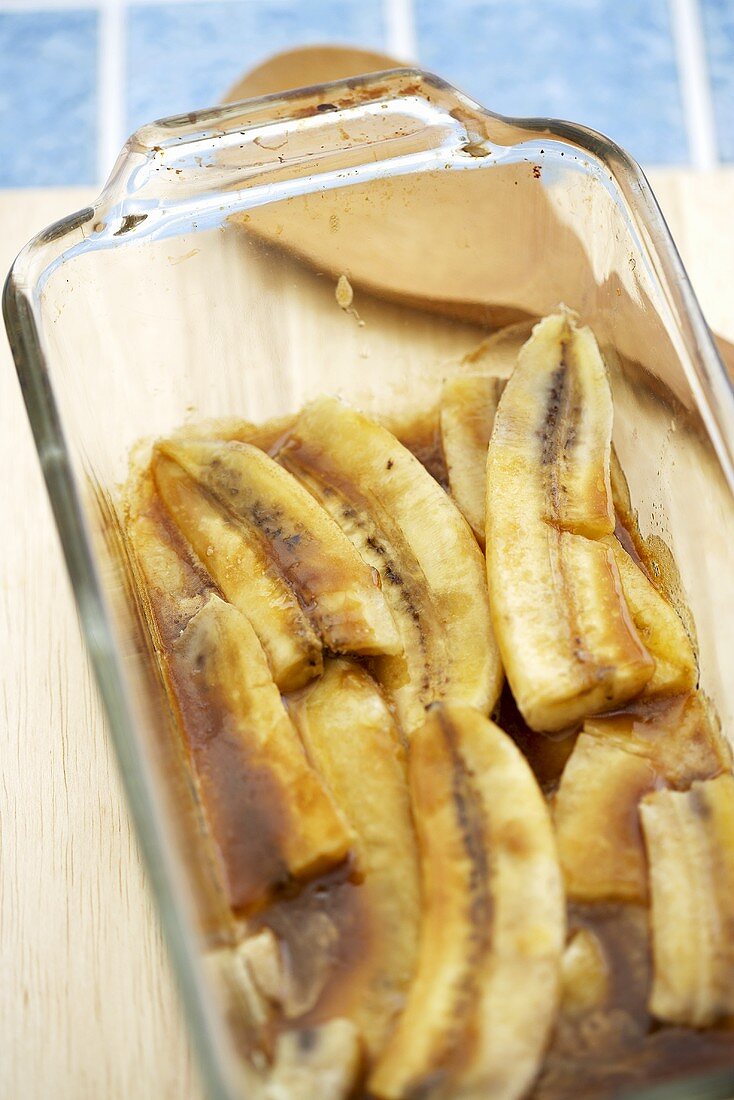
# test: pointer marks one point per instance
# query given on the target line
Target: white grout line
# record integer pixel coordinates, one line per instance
(110, 86)
(74, 5)
(29, 6)
(698, 107)
(400, 27)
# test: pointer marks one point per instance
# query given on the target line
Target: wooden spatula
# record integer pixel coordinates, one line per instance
(308, 65)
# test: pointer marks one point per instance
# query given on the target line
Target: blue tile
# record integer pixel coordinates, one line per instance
(48, 94)
(718, 26)
(184, 56)
(607, 63)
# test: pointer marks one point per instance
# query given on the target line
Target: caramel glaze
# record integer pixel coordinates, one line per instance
(324, 929)
(546, 753)
(235, 787)
(617, 1046)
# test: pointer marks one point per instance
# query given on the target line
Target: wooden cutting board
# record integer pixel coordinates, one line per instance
(87, 1003)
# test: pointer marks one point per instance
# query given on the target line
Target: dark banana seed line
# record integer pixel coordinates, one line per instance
(558, 435)
(458, 1041)
(391, 574)
(384, 560)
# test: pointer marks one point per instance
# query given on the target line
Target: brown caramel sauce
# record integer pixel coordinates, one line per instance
(546, 753)
(616, 1046)
(235, 787)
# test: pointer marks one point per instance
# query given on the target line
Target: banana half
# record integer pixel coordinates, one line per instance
(568, 643)
(615, 762)
(403, 524)
(241, 570)
(171, 584)
(352, 740)
(468, 405)
(270, 814)
(485, 995)
(659, 628)
(690, 844)
(267, 532)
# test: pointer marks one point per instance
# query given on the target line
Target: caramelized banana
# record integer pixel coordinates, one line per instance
(404, 525)
(595, 813)
(614, 763)
(244, 573)
(658, 627)
(320, 1062)
(352, 741)
(486, 992)
(248, 971)
(174, 587)
(626, 525)
(266, 435)
(269, 812)
(497, 355)
(468, 405)
(585, 974)
(566, 638)
(690, 845)
(299, 539)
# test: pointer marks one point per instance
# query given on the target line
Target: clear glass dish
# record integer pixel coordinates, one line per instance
(202, 284)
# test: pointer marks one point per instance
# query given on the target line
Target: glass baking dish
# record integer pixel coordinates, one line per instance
(202, 284)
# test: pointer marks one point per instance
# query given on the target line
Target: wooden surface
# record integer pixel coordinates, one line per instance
(87, 1004)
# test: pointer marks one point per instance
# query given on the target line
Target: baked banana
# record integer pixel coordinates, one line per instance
(585, 974)
(566, 638)
(615, 762)
(299, 538)
(244, 573)
(595, 814)
(690, 845)
(317, 1063)
(404, 525)
(468, 405)
(270, 814)
(658, 627)
(497, 354)
(266, 435)
(627, 527)
(484, 999)
(352, 741)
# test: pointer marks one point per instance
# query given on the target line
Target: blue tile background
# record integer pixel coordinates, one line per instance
(610, 63)
(607, 63)
(718, 23)
(48, 98)
(195, 51)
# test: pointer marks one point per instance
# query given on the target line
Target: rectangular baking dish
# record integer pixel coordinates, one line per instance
(202, 284)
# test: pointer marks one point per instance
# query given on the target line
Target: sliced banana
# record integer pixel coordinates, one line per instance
(690, 844)
(171, 583)
(468, 405)
(497, 354)
(658, 627)
(318, 1063)
(595, 814)
(681, 737)
(266, 435)
(567, 641)
(352, 741)
(485, 996)
(615, 762)
(585, 974)
(302, 542)
(404, 525)
(269, 812)
(627, 526)
(244, 573)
